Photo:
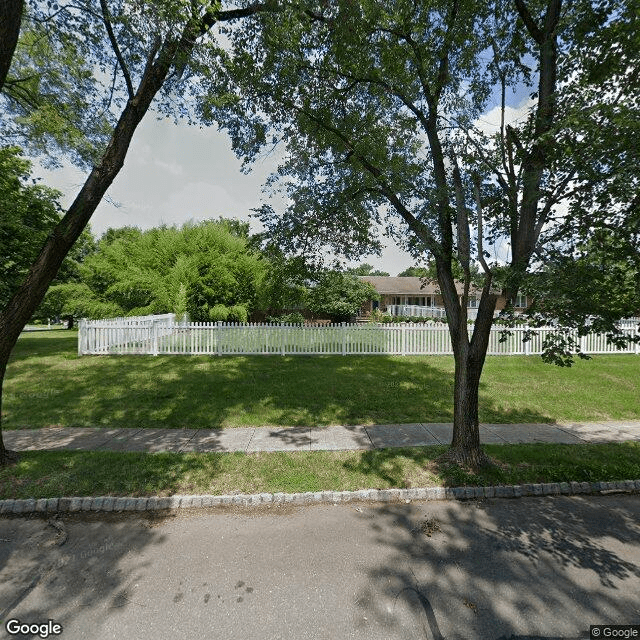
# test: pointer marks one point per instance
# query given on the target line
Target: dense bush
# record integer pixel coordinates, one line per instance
(339, 296)
(207, 270)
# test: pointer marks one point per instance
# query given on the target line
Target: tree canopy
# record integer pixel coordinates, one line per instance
(30, 212)
(206, 270)
(365, 269)
(339, 295)
(379, 104)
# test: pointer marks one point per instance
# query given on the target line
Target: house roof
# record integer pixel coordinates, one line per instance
(401, 285)
(405, 285)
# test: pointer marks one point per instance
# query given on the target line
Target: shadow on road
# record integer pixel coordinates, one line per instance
(498, 570)
(82, 572)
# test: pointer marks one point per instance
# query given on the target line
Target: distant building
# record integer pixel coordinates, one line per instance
(410, 296)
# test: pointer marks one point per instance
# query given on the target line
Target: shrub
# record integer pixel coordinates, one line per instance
(237, 313)
(218, 313)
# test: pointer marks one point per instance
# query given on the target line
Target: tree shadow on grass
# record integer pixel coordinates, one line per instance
(42, 344)
(46, 474)
(207, 392)
(534, 568)
(389, 464)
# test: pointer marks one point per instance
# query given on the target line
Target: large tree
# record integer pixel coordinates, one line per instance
(143, 52)
(206, 270)
(377, 103)
(29, 212)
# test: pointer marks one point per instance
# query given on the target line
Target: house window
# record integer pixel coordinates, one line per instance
(472, 302)
(521, 301)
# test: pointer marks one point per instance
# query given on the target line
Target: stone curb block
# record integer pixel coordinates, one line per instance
(16, 506)
(130, 504)
(6, 506)
(156, 503)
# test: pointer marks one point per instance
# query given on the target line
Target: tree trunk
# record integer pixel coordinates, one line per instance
(30, 294)
(10, 21)
(469, 356)
(6, 456)
(465, 443)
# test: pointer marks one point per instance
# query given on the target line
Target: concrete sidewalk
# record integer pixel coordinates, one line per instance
(335, 438)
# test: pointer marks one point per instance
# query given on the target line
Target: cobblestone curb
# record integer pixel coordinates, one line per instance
(110, 503)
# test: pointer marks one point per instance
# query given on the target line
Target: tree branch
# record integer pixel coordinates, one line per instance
(114, 45)
(529, 22)
(462, 218)
(476, 192)
(212, 16)
(443, 66)
(421, 230)
(420, 63)
(464, 250)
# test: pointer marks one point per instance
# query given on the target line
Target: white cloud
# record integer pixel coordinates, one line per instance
(172, 167)
(489, 123)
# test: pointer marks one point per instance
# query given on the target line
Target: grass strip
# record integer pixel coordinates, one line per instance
(47, 474)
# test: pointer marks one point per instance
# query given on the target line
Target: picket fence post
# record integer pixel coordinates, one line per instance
(154, 338)
(344, 339)
(82, 333)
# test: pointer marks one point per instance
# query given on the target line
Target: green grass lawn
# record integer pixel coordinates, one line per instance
(48, 384)
(88, 473)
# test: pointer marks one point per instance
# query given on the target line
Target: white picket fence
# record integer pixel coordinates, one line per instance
(160, 335)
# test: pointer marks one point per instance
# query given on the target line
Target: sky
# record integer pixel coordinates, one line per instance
(177, 173)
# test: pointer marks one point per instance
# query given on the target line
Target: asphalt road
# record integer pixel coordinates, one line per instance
(534, 568)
